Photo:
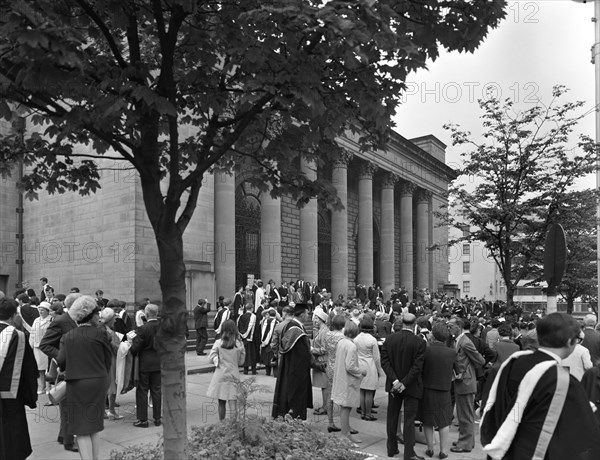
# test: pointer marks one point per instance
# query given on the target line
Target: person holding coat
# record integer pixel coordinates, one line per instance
(347, 376)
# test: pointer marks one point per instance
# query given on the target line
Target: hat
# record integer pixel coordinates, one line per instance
(319, 313)
(300, 308)
(45, 305)
(378, 314)
(83, 307)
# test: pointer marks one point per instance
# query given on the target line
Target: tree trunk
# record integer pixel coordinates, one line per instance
(570, 303)
(172, 341)
(510, 293)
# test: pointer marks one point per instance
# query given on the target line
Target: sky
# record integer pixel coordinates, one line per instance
(538, 45)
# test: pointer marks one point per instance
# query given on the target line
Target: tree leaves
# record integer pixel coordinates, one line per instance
(522, 172)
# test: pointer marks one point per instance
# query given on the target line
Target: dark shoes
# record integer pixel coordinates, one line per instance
(392, 453)
(353, 431)
(157, 422)
(141, 423)
(442, 455)
(459, 450)
(369, 418)
(429, 453)
(333, 429)
(320, 411)
(72, 448)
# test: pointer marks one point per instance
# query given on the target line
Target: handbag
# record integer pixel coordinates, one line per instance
(58, 392)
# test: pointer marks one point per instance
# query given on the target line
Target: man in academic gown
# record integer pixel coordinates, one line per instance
(18, 385)
(293, 390)
(535, 408)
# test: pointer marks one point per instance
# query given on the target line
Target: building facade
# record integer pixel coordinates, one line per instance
(105, 241)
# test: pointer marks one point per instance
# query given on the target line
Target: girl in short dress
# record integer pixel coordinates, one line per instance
(227, 354)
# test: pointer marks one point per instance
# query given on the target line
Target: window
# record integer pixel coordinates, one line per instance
(466, 249)
(466, 267)
(466, 230)
(466, 287)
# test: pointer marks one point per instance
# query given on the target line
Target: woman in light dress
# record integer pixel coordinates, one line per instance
(347, 377)
(38, 329)
(369, 359)
(330, 342)
(227, 354)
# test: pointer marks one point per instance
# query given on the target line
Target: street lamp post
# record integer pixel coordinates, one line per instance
(596, 62)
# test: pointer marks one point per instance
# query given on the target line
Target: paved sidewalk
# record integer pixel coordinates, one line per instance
(201, 410)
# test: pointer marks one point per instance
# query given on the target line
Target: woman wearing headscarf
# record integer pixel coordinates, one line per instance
(318, 350)
(347, 376)
(107, 322)
(85, 355)
(38, 329)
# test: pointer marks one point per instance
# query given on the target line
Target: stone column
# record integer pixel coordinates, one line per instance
(422, 243)
(387, 253)
(309, 239)
(365, 223)
(339, 228)
(270, 238)
(224, 233)
(406, 237)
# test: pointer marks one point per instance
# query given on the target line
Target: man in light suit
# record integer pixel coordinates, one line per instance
(402, 357)
(592, 338)
(465, 385)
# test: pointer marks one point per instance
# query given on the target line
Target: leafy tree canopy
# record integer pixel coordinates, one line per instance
(523, 169)
(266, 79)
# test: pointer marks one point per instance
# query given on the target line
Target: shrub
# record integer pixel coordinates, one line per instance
(248, 437)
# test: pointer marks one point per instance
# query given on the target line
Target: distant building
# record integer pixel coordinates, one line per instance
(472, 269)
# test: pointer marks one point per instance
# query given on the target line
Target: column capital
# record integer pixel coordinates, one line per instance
(407, 188)
(343, 159)
(367, 169)
(389, 180)
(423, 195)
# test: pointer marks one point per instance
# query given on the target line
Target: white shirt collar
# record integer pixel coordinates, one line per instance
(551, 354)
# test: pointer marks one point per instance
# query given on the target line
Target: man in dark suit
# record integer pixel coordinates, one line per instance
(149, 366)
(465, 385)
(402, 361)
(201, 324)
(49, 345)
(591, 340)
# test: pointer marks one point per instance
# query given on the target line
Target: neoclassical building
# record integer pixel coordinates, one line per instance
(104, 241)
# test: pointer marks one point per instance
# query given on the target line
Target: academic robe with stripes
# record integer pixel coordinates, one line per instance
(18, 387)
(293, 389)
(525, 388)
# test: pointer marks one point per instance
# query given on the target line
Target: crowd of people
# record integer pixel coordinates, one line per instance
(442, 359)
(526, 376)
(80, 350)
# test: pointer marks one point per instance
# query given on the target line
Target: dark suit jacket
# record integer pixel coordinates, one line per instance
(402, 357)
(143, 347)
(437, 367)
(592, 343)
(58, 327)
(200, 316)
(85, 352)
